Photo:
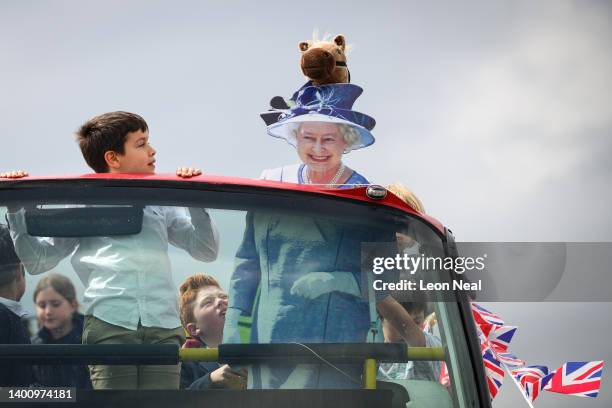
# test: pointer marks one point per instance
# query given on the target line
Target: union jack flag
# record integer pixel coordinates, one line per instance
(532, 380)
(485, 317)
(495, 338)
(444, 377)
(510, 360)
(500, 337)
(497, 343)
(484, 342)
(582, 379)
(494, 372)
(485, 328)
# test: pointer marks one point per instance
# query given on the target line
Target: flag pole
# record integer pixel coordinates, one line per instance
(518, 385)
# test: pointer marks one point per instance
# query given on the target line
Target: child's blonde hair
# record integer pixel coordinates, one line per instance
(407, 196)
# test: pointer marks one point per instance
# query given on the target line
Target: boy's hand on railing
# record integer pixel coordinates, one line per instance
(315, 284)
(14, 174)
(187, 172)
(225, 376)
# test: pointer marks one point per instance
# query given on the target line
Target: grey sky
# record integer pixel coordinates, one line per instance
(497, 114)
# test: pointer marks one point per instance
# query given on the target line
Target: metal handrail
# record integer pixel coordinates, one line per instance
(165, 354)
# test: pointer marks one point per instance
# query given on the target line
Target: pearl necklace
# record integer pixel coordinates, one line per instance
(332, 182)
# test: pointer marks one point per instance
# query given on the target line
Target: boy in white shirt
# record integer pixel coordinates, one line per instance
(412, 370)
(130, 296)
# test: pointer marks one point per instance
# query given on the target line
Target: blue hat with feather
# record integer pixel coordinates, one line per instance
(331, 103)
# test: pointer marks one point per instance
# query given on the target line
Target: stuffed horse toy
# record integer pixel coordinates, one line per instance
(322, 62)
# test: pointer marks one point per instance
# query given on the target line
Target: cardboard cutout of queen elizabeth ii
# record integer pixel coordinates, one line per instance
(307, 270)
(321, 112)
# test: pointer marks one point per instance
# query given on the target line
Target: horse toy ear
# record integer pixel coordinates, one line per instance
(340, 42)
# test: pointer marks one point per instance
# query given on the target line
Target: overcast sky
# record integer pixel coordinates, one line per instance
(497, 114)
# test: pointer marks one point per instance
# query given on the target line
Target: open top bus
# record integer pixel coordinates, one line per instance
(308, 223)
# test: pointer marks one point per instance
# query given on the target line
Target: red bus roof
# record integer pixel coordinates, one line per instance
(357, 193)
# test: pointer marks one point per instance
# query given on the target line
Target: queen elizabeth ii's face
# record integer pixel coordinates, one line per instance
(320, 145)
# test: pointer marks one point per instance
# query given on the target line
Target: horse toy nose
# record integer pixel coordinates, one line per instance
(318, 64)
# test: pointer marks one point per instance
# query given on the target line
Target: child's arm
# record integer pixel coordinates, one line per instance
(226, 377)
(222, 377)
(401, 321)
(196, 234)
(38, 254)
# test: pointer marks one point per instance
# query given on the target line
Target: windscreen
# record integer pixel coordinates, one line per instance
(295, 291)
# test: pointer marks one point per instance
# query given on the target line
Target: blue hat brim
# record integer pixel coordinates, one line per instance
(283, 129)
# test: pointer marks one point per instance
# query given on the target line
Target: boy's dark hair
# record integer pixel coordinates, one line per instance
(107, 132)
(9, 261)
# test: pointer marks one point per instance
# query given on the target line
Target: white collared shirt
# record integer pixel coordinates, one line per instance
(128, 279)
(15, 307)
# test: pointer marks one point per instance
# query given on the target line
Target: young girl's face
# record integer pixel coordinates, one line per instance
(53, 311)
